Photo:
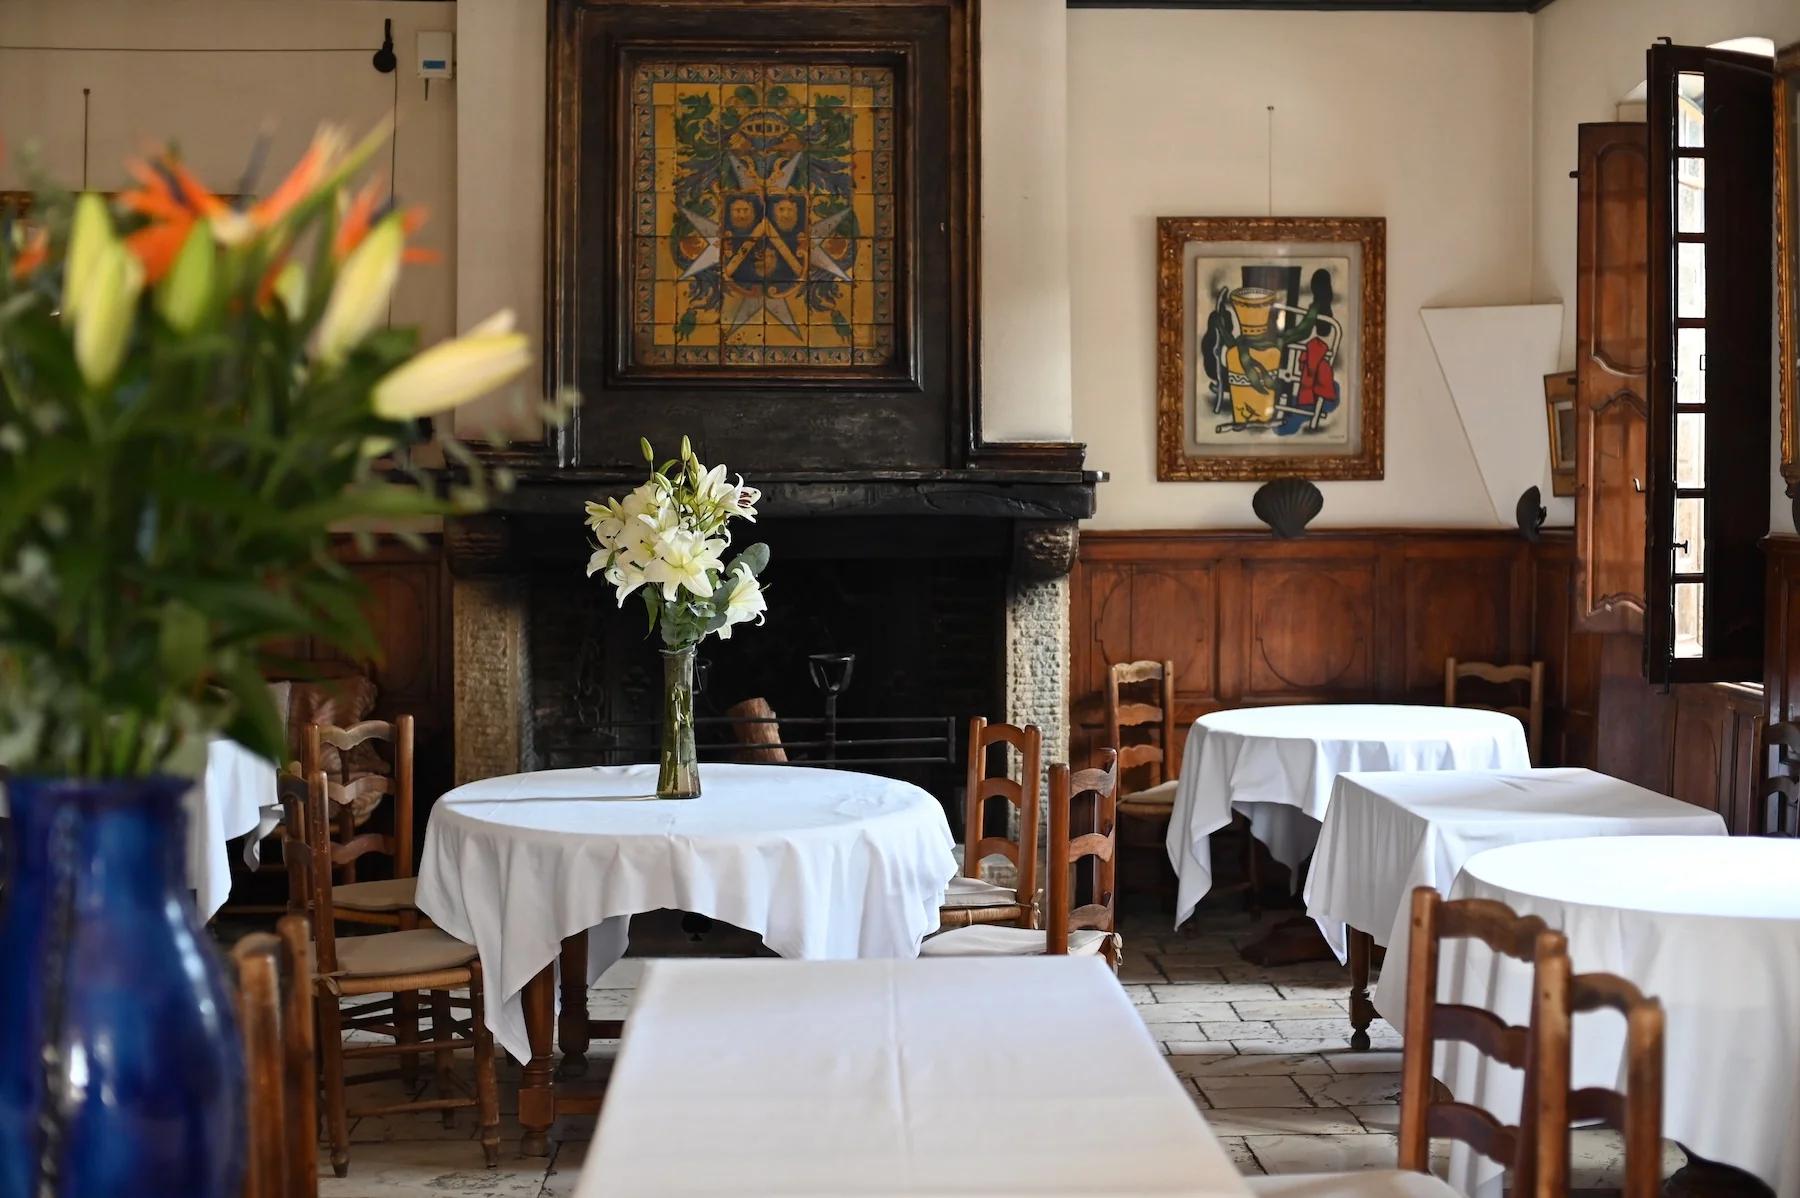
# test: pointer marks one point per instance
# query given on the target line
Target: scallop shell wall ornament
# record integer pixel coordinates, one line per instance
(1287, 505)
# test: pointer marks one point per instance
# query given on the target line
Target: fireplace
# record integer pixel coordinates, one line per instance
(952, 596)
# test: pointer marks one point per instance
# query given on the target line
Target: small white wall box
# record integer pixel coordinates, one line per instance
(437, 58)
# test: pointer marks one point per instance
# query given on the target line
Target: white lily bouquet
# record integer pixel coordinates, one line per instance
(667, 541)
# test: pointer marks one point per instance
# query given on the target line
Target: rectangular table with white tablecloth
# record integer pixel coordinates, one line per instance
(959, 1076)
(1387, 833)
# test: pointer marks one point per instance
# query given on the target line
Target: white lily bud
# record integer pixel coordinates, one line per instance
(453, 372)
(90, 232)
(359, 298)
(108, 303)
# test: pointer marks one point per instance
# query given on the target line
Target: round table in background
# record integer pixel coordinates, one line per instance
(1278, 765)
(822, 864)
(1710, 926)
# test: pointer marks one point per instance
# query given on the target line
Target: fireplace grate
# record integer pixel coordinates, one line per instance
(831, 741)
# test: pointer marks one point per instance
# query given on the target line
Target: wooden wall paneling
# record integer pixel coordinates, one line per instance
(1338, 616)
(1571, 659)
(1716, 749)
(1781, 624)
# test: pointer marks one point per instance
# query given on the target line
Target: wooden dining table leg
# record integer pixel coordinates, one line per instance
(537, 1081)
(1362, 1011)
(572, 1022)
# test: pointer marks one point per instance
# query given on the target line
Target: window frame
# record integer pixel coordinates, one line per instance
(1736, 319)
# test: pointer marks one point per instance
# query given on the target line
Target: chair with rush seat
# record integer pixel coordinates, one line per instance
(970, 900)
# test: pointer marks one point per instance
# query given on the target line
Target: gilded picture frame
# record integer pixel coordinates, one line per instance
(1271, 347)
(1559, 412)
(1787, 258)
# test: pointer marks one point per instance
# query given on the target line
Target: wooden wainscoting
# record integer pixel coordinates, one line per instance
(1336, 616)
(409, 608)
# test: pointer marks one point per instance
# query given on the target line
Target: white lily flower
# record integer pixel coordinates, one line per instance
(684, 561)
(627, 578)
(743, 504)
(745, 601)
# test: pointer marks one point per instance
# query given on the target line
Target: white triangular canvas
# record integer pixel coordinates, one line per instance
(1494, 361)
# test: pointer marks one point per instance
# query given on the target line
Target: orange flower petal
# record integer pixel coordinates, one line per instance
(419, 255)
(156, 246)
(200, 199)
(36, 250)
(300, 181)
(357, 218)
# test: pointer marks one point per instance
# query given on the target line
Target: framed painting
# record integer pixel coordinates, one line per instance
(762, 229)
(1271, 336)
(1559, 410)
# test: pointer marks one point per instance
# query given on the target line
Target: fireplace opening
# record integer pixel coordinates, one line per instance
(917, 606)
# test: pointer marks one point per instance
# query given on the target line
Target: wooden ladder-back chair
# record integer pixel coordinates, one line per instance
(970, 900)
(387, 901)
(1537, 1148)
(1144, 811)
(1089, 800)
(399, 964)
(1780, 791)
(275, 1018)
(1531, 677)
(1637, 1113)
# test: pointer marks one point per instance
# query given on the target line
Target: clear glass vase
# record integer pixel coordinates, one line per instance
(679, 774)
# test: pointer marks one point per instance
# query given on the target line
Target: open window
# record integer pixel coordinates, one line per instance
(1711, 217)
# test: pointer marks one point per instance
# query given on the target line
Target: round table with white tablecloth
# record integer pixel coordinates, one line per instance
(822, 864)
(1278, 765)
(1710, 926)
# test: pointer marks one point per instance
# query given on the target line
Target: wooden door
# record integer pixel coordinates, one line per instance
(1611, 373)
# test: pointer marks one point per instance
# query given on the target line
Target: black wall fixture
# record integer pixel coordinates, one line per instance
(385, 60)
(1529, 513)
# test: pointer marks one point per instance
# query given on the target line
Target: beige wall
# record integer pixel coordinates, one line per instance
(1589, 54)
(156, 73)
(1424, 119)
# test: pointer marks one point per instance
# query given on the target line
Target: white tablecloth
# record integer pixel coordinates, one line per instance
(822, 864)
(225, 803)
(1387, 833)
(1278, 764)
(1708, 925)
(954, 1076)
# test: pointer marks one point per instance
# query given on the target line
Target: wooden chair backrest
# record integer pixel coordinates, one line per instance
(316, 809)
(1125, 712)
(755, 727)
(1023, 794)
(1530, 676)
(1540, 1161)
(296, 857)
(342, 791)
(1096, 793)
(275, 1018)
(1780, 791)
(1637, 1113)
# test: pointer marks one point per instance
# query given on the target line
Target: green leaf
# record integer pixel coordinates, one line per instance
(255, 723)
(183, 641)
(754, 558)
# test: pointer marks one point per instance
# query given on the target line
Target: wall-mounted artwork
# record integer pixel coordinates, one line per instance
(763, 198)
(763, 229)
(1270, 340)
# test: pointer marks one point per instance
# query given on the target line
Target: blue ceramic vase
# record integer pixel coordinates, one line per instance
(121, 1072)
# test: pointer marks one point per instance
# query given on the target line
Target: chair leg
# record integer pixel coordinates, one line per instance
(406, 1031)
(331, 1055)
(487, 1095)
(440, 1032)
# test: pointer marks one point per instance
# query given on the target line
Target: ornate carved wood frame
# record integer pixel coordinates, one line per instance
(1173, 461)
(1787, 259)
(920, 411)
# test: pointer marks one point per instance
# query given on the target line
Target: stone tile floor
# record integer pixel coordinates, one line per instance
(1264, 1052)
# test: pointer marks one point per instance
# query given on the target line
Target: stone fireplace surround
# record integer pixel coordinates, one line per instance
(493, 558)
